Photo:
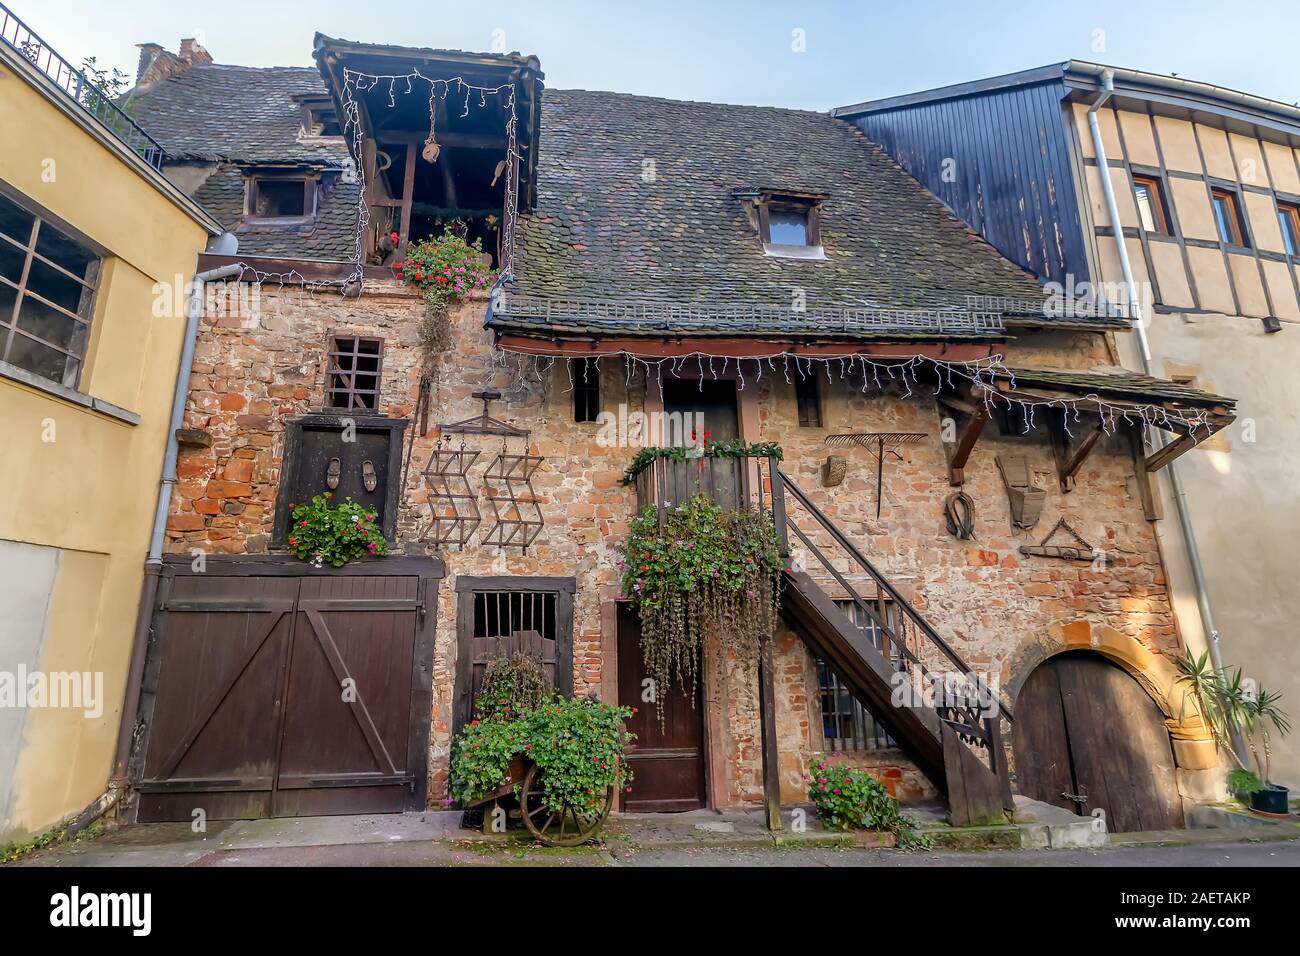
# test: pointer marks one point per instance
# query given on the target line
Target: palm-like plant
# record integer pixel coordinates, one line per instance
(1227, 700)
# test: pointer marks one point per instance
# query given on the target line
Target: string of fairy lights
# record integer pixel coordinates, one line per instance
(942, 376)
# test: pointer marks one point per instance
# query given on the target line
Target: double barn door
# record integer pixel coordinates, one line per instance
(273, 693)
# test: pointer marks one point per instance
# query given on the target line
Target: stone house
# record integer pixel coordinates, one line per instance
(770, 270)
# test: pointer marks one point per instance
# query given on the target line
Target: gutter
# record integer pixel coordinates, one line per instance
(153, 562)
(1107, 77)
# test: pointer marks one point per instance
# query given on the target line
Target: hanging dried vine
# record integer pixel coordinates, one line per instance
(705, 571)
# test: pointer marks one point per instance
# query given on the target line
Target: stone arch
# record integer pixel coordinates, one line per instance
(1193, 742)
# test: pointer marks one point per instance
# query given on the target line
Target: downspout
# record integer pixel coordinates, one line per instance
(1144, 352)
(153, 562)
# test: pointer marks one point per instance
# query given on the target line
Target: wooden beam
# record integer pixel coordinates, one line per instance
(965, 442)
(767, 727)
(408, 195)
(447, 140)
(564, 343)
(1069, 462)
(1176, 448)
(1151, 506)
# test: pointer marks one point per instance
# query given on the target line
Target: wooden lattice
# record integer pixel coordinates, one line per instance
(453, 505)
(516, 509)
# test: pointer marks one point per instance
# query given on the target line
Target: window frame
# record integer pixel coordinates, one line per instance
(810, 206)
(1288, 219)
(252, 183)
(1155, 189)
(310, 109)
(586, 391)
(83, 318)
(808, 400)
(333, 369)
(1240, 238)
(869, 733)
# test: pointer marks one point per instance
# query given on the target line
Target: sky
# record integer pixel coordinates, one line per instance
(813, 54)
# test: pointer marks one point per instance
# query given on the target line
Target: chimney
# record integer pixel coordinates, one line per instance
(157, 63)
(192, 52)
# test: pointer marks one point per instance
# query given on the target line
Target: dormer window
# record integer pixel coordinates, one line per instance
(280, 197)
(320, 118)
(790, 224)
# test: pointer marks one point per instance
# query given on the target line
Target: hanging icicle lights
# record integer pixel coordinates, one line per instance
(982, 375)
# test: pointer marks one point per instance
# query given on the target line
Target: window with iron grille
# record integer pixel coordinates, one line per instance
(586, 390)
(500, 616)
(355, 364)
(846, 724)
(47, 295)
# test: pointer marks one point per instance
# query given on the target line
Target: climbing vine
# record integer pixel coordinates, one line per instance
(705, 571)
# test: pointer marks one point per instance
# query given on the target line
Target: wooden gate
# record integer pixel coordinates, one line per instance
(271, 691)
(1088, 737)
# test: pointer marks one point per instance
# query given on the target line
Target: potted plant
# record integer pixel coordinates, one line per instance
(323, 533)
(1229, 700)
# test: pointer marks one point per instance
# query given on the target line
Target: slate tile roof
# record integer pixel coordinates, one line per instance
(1117, 383)
(636, 202)
(235, 113)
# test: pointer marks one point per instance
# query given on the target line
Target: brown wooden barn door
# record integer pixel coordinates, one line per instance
(667, 760)
(1088, 737)
(345, 731)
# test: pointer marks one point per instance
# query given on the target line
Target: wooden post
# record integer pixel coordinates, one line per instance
(778, 507)
(767, 706)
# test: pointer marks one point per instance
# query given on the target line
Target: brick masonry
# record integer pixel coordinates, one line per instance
(263, 360)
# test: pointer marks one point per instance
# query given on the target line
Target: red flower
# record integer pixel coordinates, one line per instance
(473, 723)
(292, 541)
(394, 236)
(302, 524)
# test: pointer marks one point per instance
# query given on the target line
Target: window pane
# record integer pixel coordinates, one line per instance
(69, 253)
(7, 297)
(788, 227)
(54, 286)
(1144, 202)
(1286, 218)
(1223, 215)
(11, 261)
(15, 221)
(51, 325)
(280, 198)
(42, 360)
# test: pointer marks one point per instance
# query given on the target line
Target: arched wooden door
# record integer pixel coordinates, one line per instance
(1087, 736)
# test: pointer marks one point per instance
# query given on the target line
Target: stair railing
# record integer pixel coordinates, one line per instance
(905, 633)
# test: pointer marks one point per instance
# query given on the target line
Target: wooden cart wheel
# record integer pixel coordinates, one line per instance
(568, 827)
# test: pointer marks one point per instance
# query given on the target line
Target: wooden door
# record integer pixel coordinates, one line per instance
(711, 406)
(270, 692)
(667, 760)
(1088, 737)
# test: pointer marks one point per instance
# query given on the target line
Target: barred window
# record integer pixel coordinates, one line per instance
(47, 295)
(846, 724)
(355, 364)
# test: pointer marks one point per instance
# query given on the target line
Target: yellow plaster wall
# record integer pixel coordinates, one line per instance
(91, 491)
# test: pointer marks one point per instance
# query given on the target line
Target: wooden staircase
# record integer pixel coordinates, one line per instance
(955, 741)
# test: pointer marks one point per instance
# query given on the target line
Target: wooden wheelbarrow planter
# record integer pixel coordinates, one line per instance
(569, 826)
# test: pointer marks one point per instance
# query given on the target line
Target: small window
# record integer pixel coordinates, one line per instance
(791, 226)
(1227, 215)
(321, 121)
(586, 390)
(354, 370)
(280, 198)
(47, 295)
(807, 393)
(846, 724)
(1152, 212)
(1288, 217)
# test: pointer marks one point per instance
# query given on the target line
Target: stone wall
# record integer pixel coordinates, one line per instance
(263, 362)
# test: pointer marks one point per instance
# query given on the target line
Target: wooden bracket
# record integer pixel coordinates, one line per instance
(966, 439)
(1068, 462)
(1163, 456)
(1151, 506)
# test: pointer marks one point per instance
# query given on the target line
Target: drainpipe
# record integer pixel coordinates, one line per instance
(1144, 351)
(153, 563)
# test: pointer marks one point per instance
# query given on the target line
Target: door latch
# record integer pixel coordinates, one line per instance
(1080, 798)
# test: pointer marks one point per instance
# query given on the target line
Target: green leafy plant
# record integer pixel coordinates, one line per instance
(706, 448)
(849, 798)
(706, 571)
(579, 744)
(1244, 782)
(447, 268)
(512, 686)
(1226, 700)
(326, 534)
